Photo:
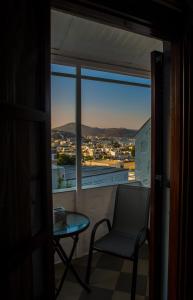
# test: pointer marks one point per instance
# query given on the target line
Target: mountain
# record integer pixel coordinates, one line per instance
(61, 134)
(95, 131)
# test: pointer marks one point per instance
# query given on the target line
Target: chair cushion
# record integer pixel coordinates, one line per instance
(117, 243)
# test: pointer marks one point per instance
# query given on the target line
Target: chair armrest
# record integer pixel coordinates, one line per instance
(139, 240)
(96, 227)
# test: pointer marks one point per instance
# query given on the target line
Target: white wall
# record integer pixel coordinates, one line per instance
(66, 200)
(97, 203)
(143, 154)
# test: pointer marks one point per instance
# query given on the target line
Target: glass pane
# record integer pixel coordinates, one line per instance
(63, 143)
(115, 76)
(63, 69)
(113, 118)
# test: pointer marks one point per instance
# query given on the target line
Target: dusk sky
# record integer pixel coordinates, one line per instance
(104, 104)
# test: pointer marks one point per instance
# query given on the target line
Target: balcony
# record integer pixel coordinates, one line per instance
(101, 125)
(111, 276)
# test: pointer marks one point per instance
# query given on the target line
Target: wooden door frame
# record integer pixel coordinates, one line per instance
(180, 251)
(147, 19)
(26, 250)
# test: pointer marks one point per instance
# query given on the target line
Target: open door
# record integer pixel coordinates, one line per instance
(26, 202)
(156, 174)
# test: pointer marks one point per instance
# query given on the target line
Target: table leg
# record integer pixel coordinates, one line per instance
(67, 262)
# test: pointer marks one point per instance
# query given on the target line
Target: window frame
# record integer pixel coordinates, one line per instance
(78, 119)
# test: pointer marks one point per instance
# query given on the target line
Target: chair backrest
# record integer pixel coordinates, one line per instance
(131, 211)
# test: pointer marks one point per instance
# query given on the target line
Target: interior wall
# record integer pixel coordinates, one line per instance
(96, 203)
(66, 200)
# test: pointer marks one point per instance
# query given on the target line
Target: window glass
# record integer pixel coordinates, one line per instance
(116, 132)
(63, 69)
(115, 76)
(114, 117)
(63, 142)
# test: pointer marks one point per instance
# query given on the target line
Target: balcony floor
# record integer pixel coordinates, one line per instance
(110, 278)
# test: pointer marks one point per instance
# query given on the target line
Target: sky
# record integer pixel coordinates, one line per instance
(104, 105)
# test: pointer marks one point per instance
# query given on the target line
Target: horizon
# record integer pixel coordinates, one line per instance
(101, 127)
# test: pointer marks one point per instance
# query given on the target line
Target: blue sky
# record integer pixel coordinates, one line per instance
(104, 104)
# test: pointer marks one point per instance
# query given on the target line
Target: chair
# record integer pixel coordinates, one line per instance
(128, 231)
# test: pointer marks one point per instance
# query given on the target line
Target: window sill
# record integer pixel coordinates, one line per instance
(94, 187)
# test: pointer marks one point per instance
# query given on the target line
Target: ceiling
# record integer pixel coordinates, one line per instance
(81, 41)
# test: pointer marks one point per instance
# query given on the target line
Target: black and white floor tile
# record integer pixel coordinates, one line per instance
(110, 278)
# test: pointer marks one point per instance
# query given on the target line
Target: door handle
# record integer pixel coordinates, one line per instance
(159, 178)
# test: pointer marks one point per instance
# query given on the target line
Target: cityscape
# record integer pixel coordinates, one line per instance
(115, 130)
(104, 151)
(108, 156)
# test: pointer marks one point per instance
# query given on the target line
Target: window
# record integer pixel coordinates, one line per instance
(113, 110)
(63, 137)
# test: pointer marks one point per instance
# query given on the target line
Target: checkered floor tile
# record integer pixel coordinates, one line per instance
(110, 278)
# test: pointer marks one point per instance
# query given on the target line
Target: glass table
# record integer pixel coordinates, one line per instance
(68, 224)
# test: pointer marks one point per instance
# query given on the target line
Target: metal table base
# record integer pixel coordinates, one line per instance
(67, 261)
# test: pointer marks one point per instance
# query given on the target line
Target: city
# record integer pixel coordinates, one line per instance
(103, 156)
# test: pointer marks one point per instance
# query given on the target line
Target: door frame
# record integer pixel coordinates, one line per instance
(27, 258)
(147, 19)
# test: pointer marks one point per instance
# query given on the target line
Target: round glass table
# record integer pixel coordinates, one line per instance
(68, 224)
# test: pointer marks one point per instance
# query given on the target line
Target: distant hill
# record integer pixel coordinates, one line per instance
(61, 134)
(94, 131)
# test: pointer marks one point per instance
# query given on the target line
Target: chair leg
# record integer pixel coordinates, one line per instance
(134, 278)
(87, 279)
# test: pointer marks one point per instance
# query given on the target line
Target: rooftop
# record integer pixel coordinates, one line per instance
(88, 171)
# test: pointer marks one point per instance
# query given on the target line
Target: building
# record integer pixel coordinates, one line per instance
(92, 176)
(143, 154)
(58, 175)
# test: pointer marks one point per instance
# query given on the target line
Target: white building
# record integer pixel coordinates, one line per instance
(143, 154)
(92, 176)
(58, 174)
